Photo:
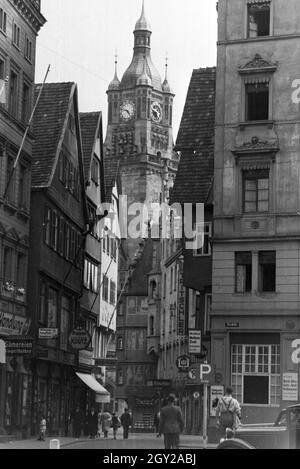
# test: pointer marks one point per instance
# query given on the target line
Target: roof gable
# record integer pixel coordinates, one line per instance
(89, 124)
(49, 126)
(195, 141)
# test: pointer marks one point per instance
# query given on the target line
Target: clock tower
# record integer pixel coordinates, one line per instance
(139, 131)
(139, 137)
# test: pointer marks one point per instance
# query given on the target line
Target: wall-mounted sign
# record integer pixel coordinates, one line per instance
(232, 325)
(13, 324)
(19, 346)
(79, 339)
(196, 395)
(216, 392)
(48, 333)
(181, 302)
(194, 341)
(2, 352)
(183, 363)
(290, 387)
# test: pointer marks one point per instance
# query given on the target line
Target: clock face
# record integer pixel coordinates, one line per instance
(156, 112)
(127, 110)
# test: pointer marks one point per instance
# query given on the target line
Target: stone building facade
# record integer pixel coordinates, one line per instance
(20, 22)
(255, 296)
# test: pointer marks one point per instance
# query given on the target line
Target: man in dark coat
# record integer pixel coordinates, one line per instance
(92, 423)
(171, 423)
(77, 422)
(126, 422)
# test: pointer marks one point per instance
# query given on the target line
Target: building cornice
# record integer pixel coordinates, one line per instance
(30, 13)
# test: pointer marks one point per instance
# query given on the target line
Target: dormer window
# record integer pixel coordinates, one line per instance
(259, 19)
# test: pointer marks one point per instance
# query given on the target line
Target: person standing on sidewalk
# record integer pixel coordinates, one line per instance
(77, 422)
(171, 423)
(115, 423)
(228, 413)
(126, 422)
(43, 428)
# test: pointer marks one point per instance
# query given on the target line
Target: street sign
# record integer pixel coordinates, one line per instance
(194, 342)
(19, 346)
(48, 333)
(79, 339)
(183, 363)
(205, 371)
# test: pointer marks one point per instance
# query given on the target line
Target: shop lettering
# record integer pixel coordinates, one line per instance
(296, 353)
(79, 340)
(12, 324)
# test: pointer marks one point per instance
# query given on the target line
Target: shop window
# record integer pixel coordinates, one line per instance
(267, 271)
(243, 272)
(259, 15)
(256, 191)
(256, 374)
(257, 101)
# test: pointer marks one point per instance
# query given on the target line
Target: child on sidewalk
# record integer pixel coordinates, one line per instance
(43, 427)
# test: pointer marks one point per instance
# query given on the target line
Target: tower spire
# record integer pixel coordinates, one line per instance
(143, 24)
(114, 85)
(166, 65)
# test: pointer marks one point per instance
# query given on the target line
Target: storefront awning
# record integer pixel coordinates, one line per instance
(102, 395)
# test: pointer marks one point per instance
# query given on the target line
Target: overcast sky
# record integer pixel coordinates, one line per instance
(80, 40)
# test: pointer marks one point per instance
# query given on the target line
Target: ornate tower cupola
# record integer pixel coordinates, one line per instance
(144, 79)
(141, 53)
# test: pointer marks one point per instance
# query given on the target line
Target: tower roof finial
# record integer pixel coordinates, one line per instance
(114, 85)
(143, 24)
(166, 65)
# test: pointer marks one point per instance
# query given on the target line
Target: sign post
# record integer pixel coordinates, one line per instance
(205, 370)
(205, 396)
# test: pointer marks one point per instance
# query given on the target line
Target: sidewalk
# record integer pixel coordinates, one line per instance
(187, 442)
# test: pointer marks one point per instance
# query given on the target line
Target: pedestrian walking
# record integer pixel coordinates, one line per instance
(171, 423)
(92, 423)
(77, 422)
(115, 423)
(228, 413)
(156, 423)
(126, 422)
(43, 428)
(105, 422)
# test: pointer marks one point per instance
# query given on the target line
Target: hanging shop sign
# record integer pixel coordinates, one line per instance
(79, 339)
(183, 363)
(19, 346)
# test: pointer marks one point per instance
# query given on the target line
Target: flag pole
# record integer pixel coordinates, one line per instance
(25, 134)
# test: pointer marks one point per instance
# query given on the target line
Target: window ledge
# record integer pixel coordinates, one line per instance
(268, 123)
(246, 294)
(266, 294)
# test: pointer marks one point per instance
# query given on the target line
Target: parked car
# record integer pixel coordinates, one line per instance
(284, 433)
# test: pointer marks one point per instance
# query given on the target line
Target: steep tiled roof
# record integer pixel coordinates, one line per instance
(195, 141)
(111, 170)
(89, 126)
(48, 126)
